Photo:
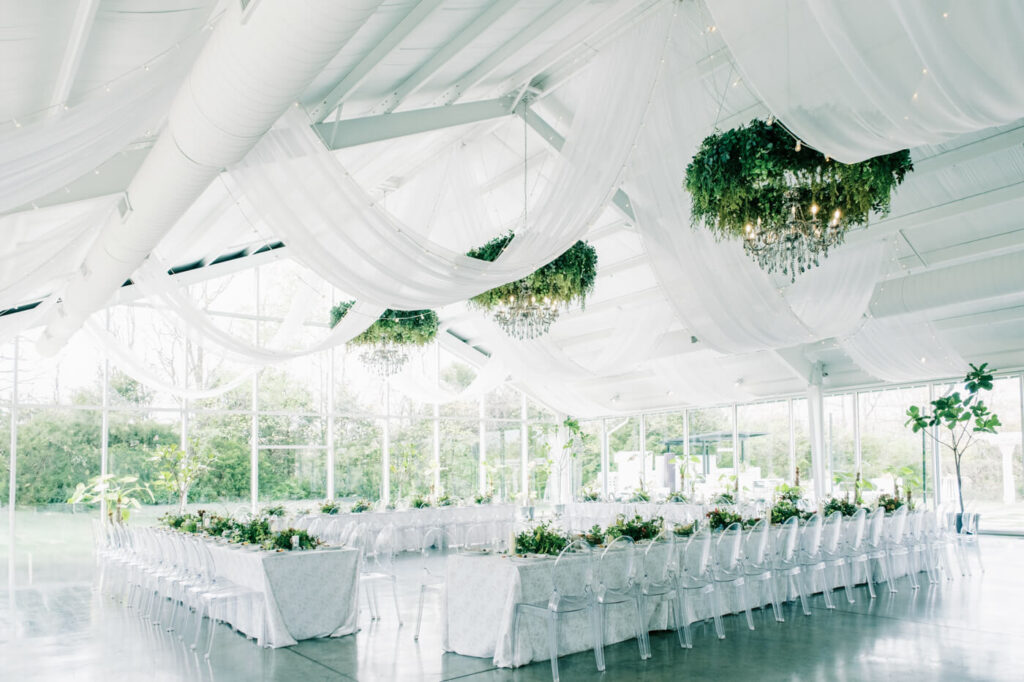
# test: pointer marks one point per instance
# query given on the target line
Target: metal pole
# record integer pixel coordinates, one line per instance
(330, 426)
(482, 468)
(437, 450)
(643, 451)
(12, 482)
(686, 448)
(524, 451)
(385, 460)
(254, 423)
(792, 441)
(858, 457)
(105, 424)
(936, 461)
(604, 459)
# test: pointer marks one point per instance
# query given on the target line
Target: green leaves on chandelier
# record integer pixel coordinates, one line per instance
(566, 280)
(741, 176)
(393, 327)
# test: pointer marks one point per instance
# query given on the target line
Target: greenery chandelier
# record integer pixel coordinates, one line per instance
(387, 340)
(788, 203)
(526, 309)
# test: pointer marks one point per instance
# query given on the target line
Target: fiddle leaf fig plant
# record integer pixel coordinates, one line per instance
(958, 419)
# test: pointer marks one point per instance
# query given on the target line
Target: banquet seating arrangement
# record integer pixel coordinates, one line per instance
(678, 583)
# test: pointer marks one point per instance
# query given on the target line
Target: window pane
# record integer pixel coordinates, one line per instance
(711, 441)
(624, 456)
(665, 446)
(837, 422)
(292, 474)
(503, 456)
(357, 458)
(412, 454)
(890, 451)
(460, 454)
(764, 446)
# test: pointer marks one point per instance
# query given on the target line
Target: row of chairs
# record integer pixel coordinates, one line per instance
(759, 566)
(154, 572)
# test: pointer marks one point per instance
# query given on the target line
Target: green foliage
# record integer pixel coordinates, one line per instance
(566, 280)
(360, 506)
(542, 539)
(445, 501)
(962, 417)
(724, 498)
(789, 493)
(786, 509)
(740, 176)
(419, 502)
(282, 540)
(720, 519)
(636, 528)
(640, 495)
(685, 530)
(276, 510)
(178, 470)
(329, 507)
(119, 492)
(589, 495)
(594, 536)
(677, 497)
(483, 498)
(252, 532)
(835, 504)
(398, 327)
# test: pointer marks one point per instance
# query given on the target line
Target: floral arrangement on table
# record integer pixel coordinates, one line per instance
(677, 496)
(595, 536)
(889, 503)
(330, 507)
(720, 519)
(685, 530)
(783, 510)
(276, 510)
(639, 495)
(751, 522)
(393, 327)
(750, 182)
(360, 506)
(589, 495)
(541, 539)
(837, 504)
(636, 528)
(445, 501)
(252, 532)
(566, 280)
(419, 502)
(789, 493)
(483, 498)
(724, 498)
(291, 538)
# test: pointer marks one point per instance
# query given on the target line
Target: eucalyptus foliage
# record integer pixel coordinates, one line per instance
(566, 280)
(394, 327)
(740, 175)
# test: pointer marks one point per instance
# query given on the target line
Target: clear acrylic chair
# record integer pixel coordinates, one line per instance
(833, 554)
(727, 571)
(895, 546)
(616, 584)
(876, 550)
(694, 581)
(939, 544)
(812, 563)
(379, 566)
(658, 584)
(787, 561)
(919, 556)
(432, 573)
(757, 566)
(221, 600)
(967, 541)
(570, 594)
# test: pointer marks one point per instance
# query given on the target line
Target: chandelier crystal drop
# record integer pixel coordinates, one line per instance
(798, 241)
(384, 359)
(523, 316)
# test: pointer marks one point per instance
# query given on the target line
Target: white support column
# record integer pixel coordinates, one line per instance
(858, 457)
(792, 442)
(105, 423)
(12, 481)
(330, 426)
(524, 452)
(936, 458)
(604, 459)
(385, 459)
(686, 451)
(183, 440)
(437, 450)
(254, 406)
(815, 412)
(643, 451)
(482, 468)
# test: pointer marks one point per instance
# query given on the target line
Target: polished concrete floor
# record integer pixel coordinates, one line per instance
(967, 629)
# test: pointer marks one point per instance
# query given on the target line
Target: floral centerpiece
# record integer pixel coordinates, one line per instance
(542, 539)
(360, 506)
(419, 502)
(720, 519)
(636, 528)
(330, 507)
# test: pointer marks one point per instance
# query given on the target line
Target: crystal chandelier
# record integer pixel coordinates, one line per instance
(385, 359)
(796, 243)
(523, 316)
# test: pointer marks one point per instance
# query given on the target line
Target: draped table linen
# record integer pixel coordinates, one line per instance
(306, 594)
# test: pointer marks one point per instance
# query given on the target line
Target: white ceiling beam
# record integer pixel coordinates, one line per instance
(358, 73)
(356, 131)
(795, 360)
(446, 53)
(508, 49)
(971, 151)
(81, 27)
(963, 252)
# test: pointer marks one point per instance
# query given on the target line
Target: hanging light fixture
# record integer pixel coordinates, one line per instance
(385, 360)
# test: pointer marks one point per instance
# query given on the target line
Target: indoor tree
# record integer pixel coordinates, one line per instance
(959, 417)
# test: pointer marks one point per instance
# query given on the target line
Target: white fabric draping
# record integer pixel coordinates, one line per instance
(718, 292)
(311, 202)
(42, 156)
(860, 79)
(905, 348)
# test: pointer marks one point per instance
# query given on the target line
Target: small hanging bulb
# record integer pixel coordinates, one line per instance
(798, 146)
(827, 158)
(837, 214)
(771, 119)
(814, 209)
(749, 228)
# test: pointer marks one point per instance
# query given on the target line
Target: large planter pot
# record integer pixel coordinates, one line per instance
(965, 523)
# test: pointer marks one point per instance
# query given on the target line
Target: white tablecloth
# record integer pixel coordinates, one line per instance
(306, 594)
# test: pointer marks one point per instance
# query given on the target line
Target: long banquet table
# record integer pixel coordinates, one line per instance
(305, 594)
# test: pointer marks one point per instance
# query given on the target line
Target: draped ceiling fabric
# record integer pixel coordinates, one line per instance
(859, 79)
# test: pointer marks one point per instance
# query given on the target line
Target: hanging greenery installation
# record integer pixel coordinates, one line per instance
(393, 327)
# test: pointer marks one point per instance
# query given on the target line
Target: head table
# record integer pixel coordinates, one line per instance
(305, 594)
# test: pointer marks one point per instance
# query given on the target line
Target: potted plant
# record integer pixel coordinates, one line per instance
(960, 418)
(119, 493)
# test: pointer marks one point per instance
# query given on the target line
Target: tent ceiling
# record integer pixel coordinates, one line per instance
(957, 214)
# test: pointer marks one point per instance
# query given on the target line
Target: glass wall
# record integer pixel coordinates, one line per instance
(891, 453)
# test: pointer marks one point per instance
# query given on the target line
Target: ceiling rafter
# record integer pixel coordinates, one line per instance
(81, 27)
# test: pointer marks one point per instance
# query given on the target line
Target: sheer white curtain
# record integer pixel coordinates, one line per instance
(308, 199)
(859, 79)
(904, 348)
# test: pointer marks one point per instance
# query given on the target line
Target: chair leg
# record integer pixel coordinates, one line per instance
(419, 614)
(886, 565)
(826, 588)
(847, 582)
(213, 629)
(639, 627)
(553, 644)
(773, 592)
(394, 595)
(802, 590)
(717, 614)
(741, 593)
(200, 608)
(684, 604)
(597, 633)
